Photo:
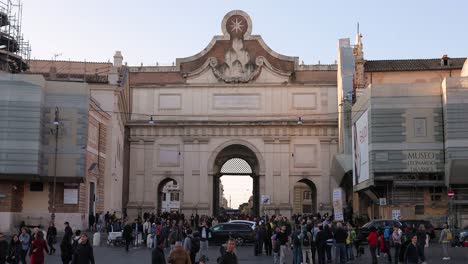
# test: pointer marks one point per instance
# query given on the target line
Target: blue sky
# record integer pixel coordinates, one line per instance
(161, 31)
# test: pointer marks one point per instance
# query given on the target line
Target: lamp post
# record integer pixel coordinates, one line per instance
(56, 124)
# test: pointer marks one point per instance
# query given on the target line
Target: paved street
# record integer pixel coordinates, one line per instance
(117, 255)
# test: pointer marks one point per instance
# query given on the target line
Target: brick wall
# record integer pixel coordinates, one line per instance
(14, 191)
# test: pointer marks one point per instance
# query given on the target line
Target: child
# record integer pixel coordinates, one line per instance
(383, 247)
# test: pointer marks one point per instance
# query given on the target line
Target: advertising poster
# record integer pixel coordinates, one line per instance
(360, 142)
(338, 204)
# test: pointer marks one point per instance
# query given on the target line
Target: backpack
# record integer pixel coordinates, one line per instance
(296, 240)
(277, 246)
(305, 240)
(195, 245)
(449, 235)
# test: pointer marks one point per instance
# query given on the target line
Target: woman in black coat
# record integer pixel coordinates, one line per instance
(14, 250)
(66, 249)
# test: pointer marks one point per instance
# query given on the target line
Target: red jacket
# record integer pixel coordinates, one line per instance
(372, 239)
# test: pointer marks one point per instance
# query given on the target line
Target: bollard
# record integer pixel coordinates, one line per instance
(96, 239)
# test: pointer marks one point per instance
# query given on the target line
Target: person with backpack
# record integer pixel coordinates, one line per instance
(349, 242)
(195, 246)
(313, 245)
(275, 246)
(387, 234)
(445, 239)
(396, 241)
(306, 242)
(297, 249)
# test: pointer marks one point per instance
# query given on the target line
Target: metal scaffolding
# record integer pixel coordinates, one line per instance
(15, 51)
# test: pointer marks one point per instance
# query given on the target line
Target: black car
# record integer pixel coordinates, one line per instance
(240, 232)
(429, 227)
(379, 225)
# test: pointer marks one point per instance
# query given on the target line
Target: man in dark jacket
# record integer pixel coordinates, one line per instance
(229, 257)
(340, 238)
(127, 235)
(157, 256)
(84, 252)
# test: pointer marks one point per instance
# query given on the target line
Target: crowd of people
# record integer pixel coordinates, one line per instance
(35, 244)
(176, 239)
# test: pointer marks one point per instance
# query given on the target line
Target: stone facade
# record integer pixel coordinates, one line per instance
(235, 99)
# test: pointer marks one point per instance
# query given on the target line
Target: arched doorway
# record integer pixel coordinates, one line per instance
(304, 197)
(168, 196)
(239, 161)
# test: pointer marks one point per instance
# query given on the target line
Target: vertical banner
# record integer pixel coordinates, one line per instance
(360, 141)
(338, 204)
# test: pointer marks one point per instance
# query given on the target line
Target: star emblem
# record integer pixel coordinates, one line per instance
(236, 25)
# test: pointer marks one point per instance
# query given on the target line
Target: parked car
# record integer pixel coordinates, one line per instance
(242, 233)
(378, 224)
(252, 224)
(429, 227)
(463, 235)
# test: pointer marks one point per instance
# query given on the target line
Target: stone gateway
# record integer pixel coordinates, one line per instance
(236, 99)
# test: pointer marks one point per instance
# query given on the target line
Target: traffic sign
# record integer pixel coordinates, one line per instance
(451, 194)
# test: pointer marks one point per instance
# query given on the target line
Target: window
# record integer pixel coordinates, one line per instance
(307, 195)
(420, 127)
(174, 196)
(163, 197)
(436, 193)
(419, 209)
(36, 187)
(306, 209)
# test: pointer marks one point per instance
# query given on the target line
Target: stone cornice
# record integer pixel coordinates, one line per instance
(202, 135)
(237, 85)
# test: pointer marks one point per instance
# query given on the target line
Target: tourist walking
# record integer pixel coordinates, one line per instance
(66, 249)
(321, 241)
(285, 251)
(179, 255)
(37, 249)
(3, 249)
(396, 240)
(51, 237)
(306, 242)
(445, 239)
(387, 236)
(84, 252)
(422, 237)
(229, 256)
(372, 241)
(195, 246)
(340, 238)
(349, 242)
(297, 250)
(412, 252)
(24, 238)
(127, 235)
(204, 236)
(157, 256)
(14, 250)
(68, 229)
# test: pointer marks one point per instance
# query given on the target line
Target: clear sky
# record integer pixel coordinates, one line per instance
(239, 188)
(151, 31)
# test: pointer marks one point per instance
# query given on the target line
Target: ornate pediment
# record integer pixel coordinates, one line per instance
(236, 56)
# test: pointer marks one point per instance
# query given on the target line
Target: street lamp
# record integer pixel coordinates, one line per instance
(56, 124)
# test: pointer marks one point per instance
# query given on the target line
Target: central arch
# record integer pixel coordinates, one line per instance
(236, 159)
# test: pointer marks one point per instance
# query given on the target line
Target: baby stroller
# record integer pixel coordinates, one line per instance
(115, 239)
